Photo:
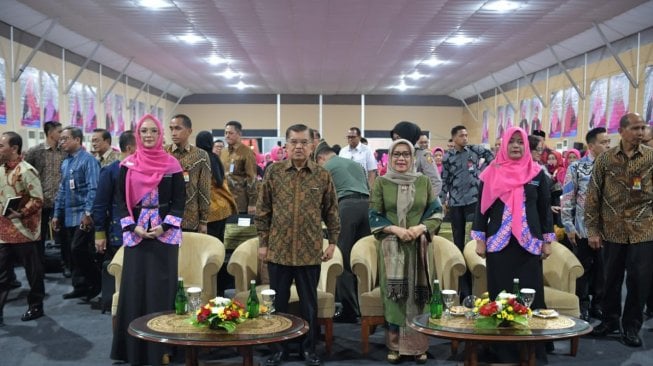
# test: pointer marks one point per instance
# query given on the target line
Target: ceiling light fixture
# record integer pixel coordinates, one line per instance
(501, 5)
(216, 60)
(154, 4)
(415, 75)
(433, 61)
(191, 38)
(241, 85)
(459, 40)
(401, 86)
(229, 73)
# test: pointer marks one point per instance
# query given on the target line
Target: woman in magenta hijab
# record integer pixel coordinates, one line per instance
(151, 198)
(513, 226)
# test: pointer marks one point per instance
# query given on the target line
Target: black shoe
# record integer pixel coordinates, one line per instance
(631, 338)
(276, 359)
(15, 284)
(34, 312)
(344, 317)
(604, 329)
(549, 347)
(585, 315)
(92, 293)
(76, 293)
(67, 273)
(311, 359)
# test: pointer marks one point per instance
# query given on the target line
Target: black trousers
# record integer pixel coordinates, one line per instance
(592, 282)
(460, 215)
(306, 279)
(225, 280)
(635, 260)
(28, 255)
(85, 265)
(354, 224)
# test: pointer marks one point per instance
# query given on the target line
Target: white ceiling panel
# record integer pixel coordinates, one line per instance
(328, 46)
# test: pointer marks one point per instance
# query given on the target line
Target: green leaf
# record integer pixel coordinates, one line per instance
(227, 325)
(487, 322)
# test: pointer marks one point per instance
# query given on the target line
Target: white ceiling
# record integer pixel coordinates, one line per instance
(328, 46)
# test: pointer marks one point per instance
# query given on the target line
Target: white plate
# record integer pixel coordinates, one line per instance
(550, 313)
(458, 310)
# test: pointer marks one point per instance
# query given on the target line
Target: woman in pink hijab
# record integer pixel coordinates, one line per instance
(438, 155)
(150, 201)
(513, 227)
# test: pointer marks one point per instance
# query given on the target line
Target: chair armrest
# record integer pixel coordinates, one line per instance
(562, 269)
(211, 260)
(329, 272)
(243, 264)
(449, 262)
(364, 263)
(115, 267)
(475, 264)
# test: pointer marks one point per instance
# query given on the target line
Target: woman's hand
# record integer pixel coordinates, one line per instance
(417, 230)
(480, 248)
(402, 234)
(556, 209)
(546, 250)
(155, 232)
(140, 231)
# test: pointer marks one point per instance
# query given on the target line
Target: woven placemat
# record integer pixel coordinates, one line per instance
(560, 322)
(172, 323)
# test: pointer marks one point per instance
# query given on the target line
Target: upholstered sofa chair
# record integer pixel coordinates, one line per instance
(561, 270)
(244, 266)
(447, 260)
(200, 259)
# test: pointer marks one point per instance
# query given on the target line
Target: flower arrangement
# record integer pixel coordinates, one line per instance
(221, 313)
(505, 311)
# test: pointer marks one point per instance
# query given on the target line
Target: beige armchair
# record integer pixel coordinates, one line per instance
(200, 259)
(244, 266)
(447, 260)
(561, 270)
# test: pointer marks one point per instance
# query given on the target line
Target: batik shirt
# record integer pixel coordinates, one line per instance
(574, 194)
(148, 218)
(460, 171)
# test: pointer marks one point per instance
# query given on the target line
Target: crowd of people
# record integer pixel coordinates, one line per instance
(514, 200)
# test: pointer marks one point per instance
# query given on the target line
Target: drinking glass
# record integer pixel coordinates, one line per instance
(448, 297)
(194, 300)
(527, 296)
(470, 303)
(267, 296)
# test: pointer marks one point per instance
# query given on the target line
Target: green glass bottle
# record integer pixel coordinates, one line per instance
(181, 301)
(516, 290)
(252, 301)
(436, 305)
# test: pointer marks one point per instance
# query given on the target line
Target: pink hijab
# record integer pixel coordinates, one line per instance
(146, 167)
(505, 178)
(275, 152)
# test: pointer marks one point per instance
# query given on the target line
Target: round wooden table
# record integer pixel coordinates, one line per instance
(540, 330)
(168, 328)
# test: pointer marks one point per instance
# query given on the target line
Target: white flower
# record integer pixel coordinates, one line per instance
(221, 301)
(218, 310)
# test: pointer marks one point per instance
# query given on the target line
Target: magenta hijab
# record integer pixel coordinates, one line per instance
(505, 178)
(147, 166)
(274, 153)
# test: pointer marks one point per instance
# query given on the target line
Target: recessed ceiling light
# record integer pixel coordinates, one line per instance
(241, 85)
(191, 38)
(415, 75)
(433, 61)
(460, 40)
(216, 60)
(401, 86)
(501, 5)
(229, 73)
(154, 4)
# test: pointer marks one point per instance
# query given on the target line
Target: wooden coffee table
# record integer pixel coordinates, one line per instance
(460, 329)
(168, 328)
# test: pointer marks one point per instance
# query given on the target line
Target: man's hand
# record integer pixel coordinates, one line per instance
(251, 210)
(263, 254)
(56, 226)
(572, 238)
(87, 223)
(480, 248)
(328, 253)
(202, 229)
(595, 242)
(14, 214)
(100, 245)
(555, 209)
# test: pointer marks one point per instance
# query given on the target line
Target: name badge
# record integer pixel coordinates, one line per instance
(186, 176)
(637, 183)
(232, 166)
(244, 221)
(71, 183)
(470, 166)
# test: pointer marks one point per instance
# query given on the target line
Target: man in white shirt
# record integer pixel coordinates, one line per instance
(360, 153)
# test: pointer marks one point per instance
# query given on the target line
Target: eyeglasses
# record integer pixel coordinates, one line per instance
(405, 155)
(64, 138)
(298, 142)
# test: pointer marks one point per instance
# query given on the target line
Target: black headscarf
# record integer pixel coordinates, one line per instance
(407, 130)
(204, 141)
